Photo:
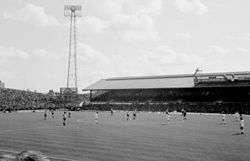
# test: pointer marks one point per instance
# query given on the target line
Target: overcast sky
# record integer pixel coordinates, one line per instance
(121, 38)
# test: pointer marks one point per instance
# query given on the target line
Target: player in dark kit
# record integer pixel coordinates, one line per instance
(167, 112)
(69, 114)
(45, 115)
(184, 114)
(52, 113)
(134, 115)
(127, 116)
(64, 118)
(242, 124)
(223, 117)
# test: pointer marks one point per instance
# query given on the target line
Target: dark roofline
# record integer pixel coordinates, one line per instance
(176, 76)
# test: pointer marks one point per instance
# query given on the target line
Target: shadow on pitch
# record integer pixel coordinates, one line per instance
(222, 123)
(238, 133)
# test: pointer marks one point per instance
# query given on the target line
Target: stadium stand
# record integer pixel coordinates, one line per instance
(13, 99)
(206, 92)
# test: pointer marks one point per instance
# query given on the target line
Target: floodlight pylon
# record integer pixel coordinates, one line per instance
(72, 12)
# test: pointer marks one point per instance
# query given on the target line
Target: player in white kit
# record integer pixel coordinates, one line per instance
(167, 115)
(96, 117)
(236, 117)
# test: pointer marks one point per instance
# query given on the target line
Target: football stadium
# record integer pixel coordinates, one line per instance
(34, 121)
(155, 116)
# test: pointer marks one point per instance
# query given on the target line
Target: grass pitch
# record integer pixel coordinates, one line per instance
(148, 138)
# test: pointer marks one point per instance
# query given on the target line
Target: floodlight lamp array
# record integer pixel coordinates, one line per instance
(70, 10)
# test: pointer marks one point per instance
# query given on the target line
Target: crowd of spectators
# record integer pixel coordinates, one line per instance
(13, 99)
(200, 107)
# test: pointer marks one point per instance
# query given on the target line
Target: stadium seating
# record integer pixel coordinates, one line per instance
(12, 99)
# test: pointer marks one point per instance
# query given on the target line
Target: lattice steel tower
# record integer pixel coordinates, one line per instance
(72, 12)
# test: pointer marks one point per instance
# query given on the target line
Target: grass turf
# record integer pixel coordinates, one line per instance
(149, 138)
